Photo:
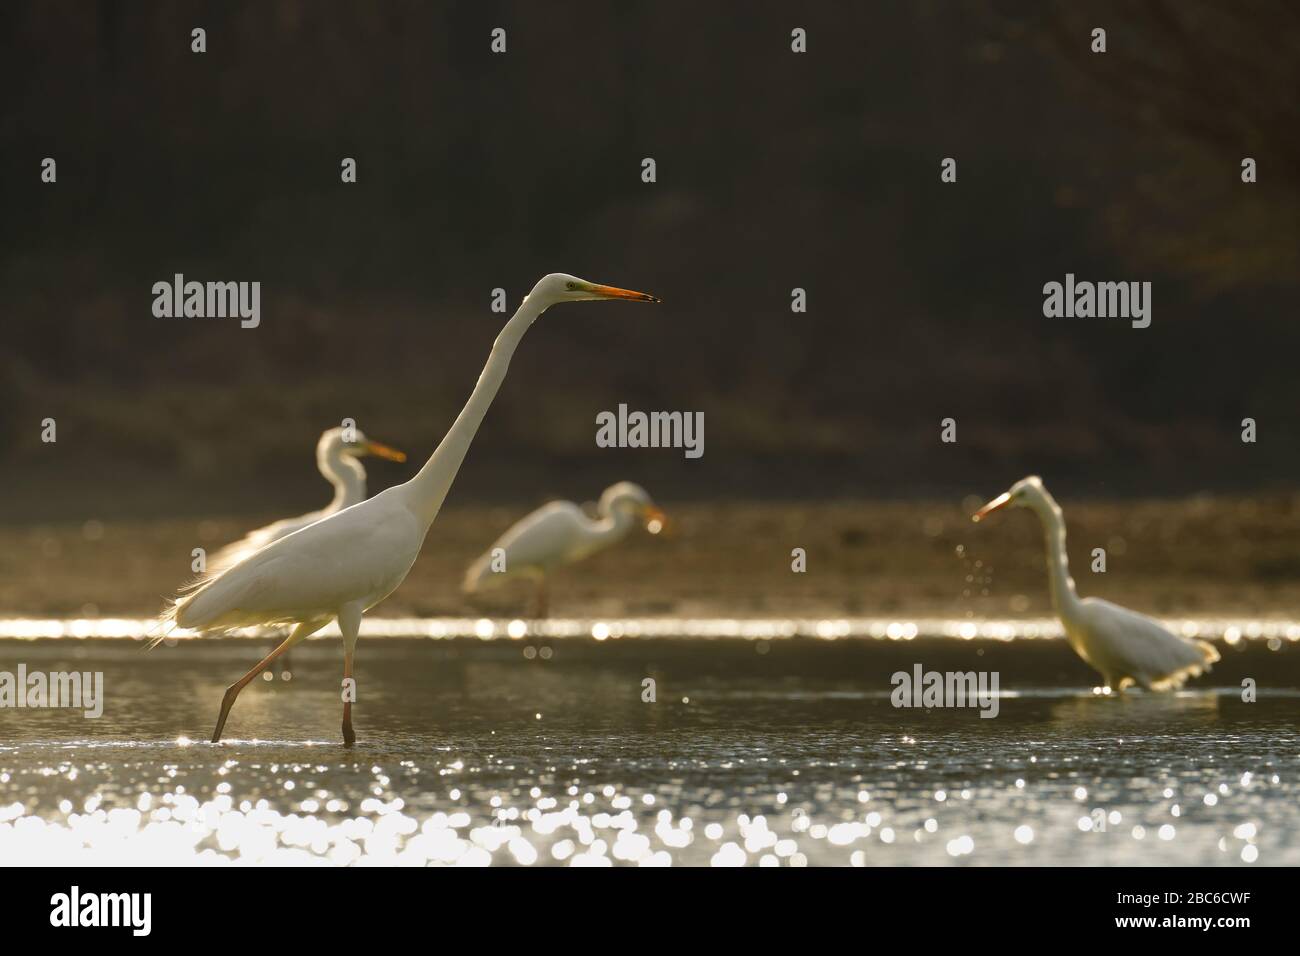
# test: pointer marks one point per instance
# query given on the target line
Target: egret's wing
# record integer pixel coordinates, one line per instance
(361, 553)
(1132, 644)
(547, 535)
(259, 538)
(544, 537)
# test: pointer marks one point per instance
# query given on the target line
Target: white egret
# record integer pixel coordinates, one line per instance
(560, 533)
(338, 455)
(345, 564)
(1126, 647)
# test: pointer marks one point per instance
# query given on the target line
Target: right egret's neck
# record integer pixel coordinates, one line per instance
(428, 489)
(346, 474)
(1064, 597)
(614, 523)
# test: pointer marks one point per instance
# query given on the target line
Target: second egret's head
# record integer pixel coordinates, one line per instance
(559, 287)
(1025, 493)
(354, 443)
(631, 500)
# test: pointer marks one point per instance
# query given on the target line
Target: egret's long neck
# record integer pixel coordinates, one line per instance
(614, 523)
(428, 489)
(1064, 597)
(346, 474)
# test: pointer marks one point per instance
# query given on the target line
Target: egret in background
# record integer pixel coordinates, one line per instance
(338, 455)
(561, 533)
(1126, 647)
(345, 564)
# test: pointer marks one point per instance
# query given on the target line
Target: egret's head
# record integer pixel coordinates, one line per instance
(1025, 493)
(559, 287)
(631, 500)
(353, 442)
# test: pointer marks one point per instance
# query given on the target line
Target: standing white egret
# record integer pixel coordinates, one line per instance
(341, 566)
(338, 455)
(560, 533)
(1126, 647)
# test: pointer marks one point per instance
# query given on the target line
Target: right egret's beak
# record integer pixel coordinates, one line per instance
(999, 502)
(380, 450)
(612, 292)
(655, 520)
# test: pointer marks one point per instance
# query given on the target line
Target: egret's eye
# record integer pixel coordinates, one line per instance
(570, 286)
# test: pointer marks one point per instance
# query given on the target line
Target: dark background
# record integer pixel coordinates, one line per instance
(775, 170)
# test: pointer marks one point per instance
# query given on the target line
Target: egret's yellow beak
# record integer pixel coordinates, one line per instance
(380, 450)
(999, 502)
(655, 520)
(611, 292)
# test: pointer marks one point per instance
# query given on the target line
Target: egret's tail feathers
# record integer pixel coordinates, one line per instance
(170, 617)
(194, 583)
(1172, 681)
(163, 626)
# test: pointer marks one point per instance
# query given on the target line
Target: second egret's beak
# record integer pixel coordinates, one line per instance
(380, 450)
(612, 292)
(1000, 501)
(655, 520)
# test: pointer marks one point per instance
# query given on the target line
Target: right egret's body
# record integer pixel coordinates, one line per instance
(561, 533)
(344, 564)
(1124, 646)
(338, 454)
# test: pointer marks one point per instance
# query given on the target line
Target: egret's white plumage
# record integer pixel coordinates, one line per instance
(338, 456)
(560, 533)
(344, 564)
(1126, 647)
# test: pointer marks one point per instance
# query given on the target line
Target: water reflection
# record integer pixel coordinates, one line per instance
(472, 752)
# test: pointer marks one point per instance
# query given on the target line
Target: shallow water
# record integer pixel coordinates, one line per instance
(541, 750)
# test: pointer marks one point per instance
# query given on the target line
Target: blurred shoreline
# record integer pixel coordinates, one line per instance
(1195, 557)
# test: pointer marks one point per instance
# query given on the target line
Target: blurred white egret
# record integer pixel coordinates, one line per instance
(560, 533)
(1126, 647)
(338, 456)
(339, 567)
